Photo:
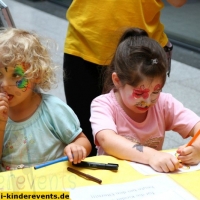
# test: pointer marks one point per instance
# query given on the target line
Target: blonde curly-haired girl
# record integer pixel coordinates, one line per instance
(34, 127)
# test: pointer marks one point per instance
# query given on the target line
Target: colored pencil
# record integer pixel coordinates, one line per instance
(193, 139)
(65, 158)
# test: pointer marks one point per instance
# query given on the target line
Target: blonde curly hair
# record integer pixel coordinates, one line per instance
(17, 45)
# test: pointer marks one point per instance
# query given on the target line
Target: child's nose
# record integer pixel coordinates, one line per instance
(4, 83)
(148, 101)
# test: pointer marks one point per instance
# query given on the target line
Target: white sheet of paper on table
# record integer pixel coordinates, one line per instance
(156, 188)
(147, 170)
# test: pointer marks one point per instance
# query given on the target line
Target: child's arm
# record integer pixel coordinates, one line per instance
(191, 154)
(120, 147)
(2, 129)
(3, 118)
(78, 149)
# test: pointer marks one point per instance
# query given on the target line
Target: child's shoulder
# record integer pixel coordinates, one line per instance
(52, 102)
(51, 98)
(167, 99)
(166, 96)
(108, 97)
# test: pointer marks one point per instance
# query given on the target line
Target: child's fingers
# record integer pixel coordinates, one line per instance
(68, 153)
(3, 104)
(3, 97)
(174, 164)
(78, 154)
(75, 153)
(185, 159)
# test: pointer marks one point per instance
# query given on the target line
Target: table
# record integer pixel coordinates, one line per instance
(56, 177)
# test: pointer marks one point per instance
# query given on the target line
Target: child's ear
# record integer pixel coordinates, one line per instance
(116, 80)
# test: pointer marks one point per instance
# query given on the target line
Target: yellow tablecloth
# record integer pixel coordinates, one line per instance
(57, 178)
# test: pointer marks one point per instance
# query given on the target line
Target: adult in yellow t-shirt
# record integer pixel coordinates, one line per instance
(93, 33)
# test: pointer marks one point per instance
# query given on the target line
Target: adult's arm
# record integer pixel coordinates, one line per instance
(177, 3)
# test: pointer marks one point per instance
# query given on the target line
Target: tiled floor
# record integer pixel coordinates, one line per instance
(183, 83)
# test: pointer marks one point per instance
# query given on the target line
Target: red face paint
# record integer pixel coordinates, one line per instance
(157, 87)
(141, 92)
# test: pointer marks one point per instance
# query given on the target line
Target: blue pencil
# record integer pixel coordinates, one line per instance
(65, 158)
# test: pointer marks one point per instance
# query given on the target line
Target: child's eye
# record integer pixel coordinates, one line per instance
(138, 94)
(156, 92)
(17, 76)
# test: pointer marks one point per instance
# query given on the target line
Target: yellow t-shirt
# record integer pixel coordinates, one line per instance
(96, 25)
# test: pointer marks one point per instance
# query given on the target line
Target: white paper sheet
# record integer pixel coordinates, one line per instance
(153, 188)
(147, 170)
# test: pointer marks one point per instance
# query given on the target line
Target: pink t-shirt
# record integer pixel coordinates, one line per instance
(167, 114)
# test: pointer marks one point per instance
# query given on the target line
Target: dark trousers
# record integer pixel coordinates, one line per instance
(82, 83)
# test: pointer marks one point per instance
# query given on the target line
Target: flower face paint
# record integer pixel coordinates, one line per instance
(141, 91)
(139, 99)
(19, 71)
(144, 95)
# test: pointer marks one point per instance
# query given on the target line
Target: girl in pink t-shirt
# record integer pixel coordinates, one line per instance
(129, 121)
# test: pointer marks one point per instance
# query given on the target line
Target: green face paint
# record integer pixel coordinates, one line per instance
(23, 83)
(19, 70)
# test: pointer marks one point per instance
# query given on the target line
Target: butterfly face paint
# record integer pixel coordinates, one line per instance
(138, 99)
(23, 83)
(145, 99)
(141, 92)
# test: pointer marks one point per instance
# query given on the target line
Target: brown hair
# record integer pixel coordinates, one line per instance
(137, 57)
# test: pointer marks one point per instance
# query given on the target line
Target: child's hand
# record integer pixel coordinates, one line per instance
(3, 107)
(75, 153)
(164, 162)
(181, 148)
(189, 155)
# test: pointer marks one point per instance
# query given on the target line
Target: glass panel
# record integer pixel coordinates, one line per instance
(65, 3)
(183, 24)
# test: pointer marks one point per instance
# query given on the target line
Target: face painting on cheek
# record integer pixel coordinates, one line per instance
(141, 92)
(143, 96)
(23, 83)
(140, 96)
(156, 93)
(157, 87)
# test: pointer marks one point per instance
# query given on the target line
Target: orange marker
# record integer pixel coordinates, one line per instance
(193, 139)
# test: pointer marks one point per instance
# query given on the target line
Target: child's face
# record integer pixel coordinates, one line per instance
(14, 83)
(140, 98)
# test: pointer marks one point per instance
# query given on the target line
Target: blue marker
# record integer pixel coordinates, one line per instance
(65, 158)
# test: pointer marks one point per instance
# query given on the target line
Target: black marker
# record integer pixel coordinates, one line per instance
(109, 166)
